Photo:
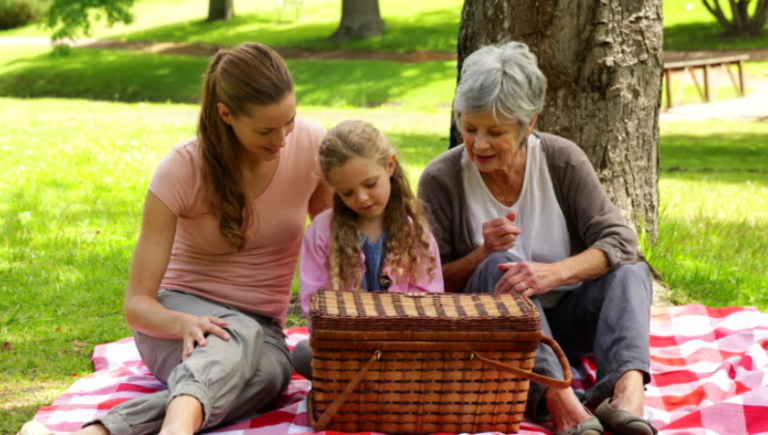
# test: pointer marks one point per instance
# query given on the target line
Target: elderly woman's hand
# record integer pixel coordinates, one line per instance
(500, 234)
(528, 278)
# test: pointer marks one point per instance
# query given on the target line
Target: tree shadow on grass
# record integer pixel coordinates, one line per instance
(707, 36)
(721, 153)
(432, 30)
(130, 77)
(106, 75)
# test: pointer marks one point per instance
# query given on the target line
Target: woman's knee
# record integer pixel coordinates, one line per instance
(488, 274)
(633, 281)
(275, 370)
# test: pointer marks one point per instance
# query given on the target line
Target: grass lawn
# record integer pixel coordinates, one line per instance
(127, 76)
(410, 25)
(714, 212)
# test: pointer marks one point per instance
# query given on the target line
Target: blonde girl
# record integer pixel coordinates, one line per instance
(375, 238)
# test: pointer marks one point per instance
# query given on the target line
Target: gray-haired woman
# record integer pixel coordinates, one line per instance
(516, 210)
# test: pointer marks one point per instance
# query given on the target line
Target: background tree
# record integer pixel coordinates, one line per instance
(603, 64)
(743, 22)
(71, 19)
(359, 19)
(221, 10)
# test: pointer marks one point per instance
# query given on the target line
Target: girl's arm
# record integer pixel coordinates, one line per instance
(423, 282)
(142, 310)
(315, 265)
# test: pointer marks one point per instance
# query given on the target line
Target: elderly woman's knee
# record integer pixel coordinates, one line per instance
(633, 279)
(491, 263)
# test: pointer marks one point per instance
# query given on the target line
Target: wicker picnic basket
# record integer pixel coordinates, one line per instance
(423, 363)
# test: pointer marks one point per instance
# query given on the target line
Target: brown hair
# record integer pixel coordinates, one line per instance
(407, 243)
(248, 74)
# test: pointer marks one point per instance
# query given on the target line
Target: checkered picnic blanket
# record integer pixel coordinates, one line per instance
(710, 376)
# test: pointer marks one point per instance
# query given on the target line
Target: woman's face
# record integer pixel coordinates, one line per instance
(263, 130)
(492, 144)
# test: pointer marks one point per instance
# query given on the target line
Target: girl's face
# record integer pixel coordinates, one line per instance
(364, 185)
(263, 130)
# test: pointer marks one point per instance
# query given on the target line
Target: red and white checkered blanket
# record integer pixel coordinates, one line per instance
(710, 376)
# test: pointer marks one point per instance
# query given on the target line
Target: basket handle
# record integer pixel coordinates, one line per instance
(535, 377)
(334, 408)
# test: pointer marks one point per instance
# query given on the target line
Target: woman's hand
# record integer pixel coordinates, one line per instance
(195, 329)
(528, 278)
(500, 234)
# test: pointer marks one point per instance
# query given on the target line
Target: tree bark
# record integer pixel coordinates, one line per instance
(360, 19)
(603, 63)
(220, 10)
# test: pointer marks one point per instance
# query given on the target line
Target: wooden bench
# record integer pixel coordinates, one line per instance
(678, 61)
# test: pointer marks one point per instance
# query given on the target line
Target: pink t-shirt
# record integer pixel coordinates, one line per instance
(258, 278)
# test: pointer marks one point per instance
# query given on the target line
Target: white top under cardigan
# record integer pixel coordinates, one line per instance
(544, 234)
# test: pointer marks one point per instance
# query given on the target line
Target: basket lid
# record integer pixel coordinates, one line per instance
(381, 311)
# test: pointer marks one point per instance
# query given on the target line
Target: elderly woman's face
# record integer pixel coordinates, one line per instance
(491, 144)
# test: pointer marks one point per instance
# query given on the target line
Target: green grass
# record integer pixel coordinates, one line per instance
(689, 26)
(410, 25)
(128, 76)
(714, 212)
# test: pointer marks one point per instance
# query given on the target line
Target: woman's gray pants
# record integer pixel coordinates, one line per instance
(608, 317)
(231, 379)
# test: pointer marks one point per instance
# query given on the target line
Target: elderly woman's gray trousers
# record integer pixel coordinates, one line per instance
(231, 379)
(608, 317)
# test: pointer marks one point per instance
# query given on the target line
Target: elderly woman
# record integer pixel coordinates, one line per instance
(516, 210)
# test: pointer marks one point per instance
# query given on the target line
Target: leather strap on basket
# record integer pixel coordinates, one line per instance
(539, 379)
(334, 408)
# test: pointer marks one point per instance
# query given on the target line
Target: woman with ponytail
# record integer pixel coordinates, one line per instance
(211, 276)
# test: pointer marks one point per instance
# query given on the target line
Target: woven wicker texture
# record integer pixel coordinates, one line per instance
(422, 312)
(426, 363)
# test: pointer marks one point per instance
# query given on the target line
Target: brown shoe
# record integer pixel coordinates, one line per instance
(623, 422)
(589, 427)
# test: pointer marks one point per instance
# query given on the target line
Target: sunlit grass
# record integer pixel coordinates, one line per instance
(111, 75)
(436, 22)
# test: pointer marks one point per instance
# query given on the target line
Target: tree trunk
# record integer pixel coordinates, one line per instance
(220, 10)
(603, 63)
(360, 19)
(741, 25)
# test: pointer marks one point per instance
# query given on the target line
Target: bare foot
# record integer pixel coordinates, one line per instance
(629, 393)
(35, 428)
(565, 408)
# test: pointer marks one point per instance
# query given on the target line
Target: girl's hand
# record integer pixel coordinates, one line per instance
(528, 278)
(500, 234)
(195, 329)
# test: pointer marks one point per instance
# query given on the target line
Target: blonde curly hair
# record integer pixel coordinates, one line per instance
(407, 242)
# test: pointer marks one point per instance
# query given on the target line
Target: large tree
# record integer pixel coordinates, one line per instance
(359, 19)
(603, 64)
(220, 10)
